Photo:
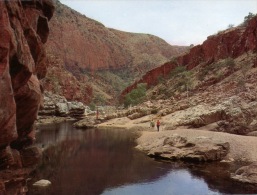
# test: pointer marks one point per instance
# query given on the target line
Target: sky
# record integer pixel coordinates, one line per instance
(178, 22)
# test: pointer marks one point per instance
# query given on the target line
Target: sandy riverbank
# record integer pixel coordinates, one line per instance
(242, 148)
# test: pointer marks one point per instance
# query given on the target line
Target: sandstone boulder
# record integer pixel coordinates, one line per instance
(56, 105)
(175, 147)
(87, 123)
(76, 109)
(62, 109)
(49, 106)
(239, 116)
(195, 116)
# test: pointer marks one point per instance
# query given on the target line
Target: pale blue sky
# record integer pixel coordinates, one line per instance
(179, 22)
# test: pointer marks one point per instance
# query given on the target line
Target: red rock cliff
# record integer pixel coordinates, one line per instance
(230, 43)
(23, 32)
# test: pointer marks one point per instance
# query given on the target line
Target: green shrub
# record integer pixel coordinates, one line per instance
(205, 70)
(177, 70)
(230, 62)
(92, 106)
(219, 75)
(99, 99)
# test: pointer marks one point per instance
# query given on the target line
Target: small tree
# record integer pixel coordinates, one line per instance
(230, 26)
(187, 75)
(230, 62)
(92, 106)
(248, 17)
(99, 99)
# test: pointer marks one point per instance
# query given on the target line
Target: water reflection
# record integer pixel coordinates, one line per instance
(175, 182)
(97, 162)
(88, 162)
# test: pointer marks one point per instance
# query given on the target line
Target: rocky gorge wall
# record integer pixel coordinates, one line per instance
(230, 43)
(82, 49)
(23, 32)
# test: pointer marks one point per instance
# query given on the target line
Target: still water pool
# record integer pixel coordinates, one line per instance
(105, 162)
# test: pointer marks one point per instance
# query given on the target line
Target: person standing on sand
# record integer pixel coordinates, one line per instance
(152, 123)
(158, 123)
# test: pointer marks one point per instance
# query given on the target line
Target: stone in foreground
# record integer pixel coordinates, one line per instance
(42, 183)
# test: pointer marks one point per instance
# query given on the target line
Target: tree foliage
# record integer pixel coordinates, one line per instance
(248, 17)
(136, 96)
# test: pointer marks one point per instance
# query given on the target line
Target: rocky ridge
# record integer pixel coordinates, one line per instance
(227, 44)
